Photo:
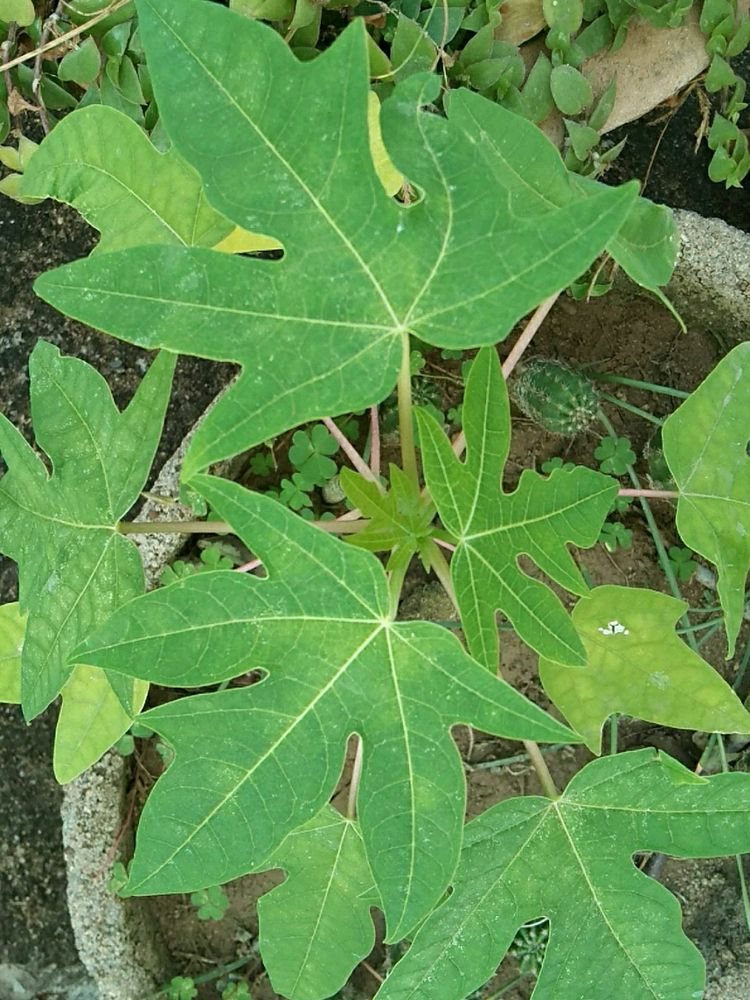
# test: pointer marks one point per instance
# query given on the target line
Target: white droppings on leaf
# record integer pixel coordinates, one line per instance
(614, 628)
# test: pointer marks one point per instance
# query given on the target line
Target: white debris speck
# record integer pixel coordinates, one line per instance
(614, 628)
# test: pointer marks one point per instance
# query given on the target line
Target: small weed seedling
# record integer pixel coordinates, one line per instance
(484, 225)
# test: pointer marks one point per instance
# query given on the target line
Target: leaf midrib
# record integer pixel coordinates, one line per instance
(558, 808)
(259, 761)
(557, 512)
(315, 201)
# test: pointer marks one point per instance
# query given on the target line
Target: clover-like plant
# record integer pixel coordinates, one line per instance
(486, 224)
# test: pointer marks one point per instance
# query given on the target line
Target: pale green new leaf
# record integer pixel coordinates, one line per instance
(321, 331)
(100, 162)
(706, 448)
(92, 717)
(399, 519)
(91, 720)
(647, 244)
(636, 665)
(254, 763)
(74, 567)
(12, 628)
(613, 930)
(329, 890)
(493, 528)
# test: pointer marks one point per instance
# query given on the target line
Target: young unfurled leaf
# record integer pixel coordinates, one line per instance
(330, 889)
(12, 628)
(102, 163)
(20, 11)
(400, 518)
(614, 930)
(494, 528)
(360, 270)
(636, 665)
(253, 763)
(60, 527)
(706, 448)
(92, 719)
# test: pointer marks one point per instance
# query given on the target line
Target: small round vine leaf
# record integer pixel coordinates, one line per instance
(20, 11)
(638, 666)
(571, 90)
(82, 64)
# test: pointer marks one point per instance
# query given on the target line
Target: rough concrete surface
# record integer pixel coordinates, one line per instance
(115, 939)
(711, 283)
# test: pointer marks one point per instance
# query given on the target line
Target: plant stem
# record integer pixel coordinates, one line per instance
(707, 636)
(637, 384)
(519, 758)
(68, 36)
(405, 413)
(613, 733)
(351, 452)
(441, 569)
(644, 414)
(508, 986)
(540, 766)
(375, 442)
(351, 805)
(655, 534)
(209, 977)
(527, 335)
(538, 317)
(36, 83)
(248, 567)
(738, 857)
(395, 583)
(173, 527)
(712, 623)
(221, 527)
(654, 494)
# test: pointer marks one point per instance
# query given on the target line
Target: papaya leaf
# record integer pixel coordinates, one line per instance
(706, 448)
(493, 528)
(400, 518)
(330, 889)
(92, 719)
(61, 527)
(571, 861)
(12, 628)
(322, 331)
(100, 162)
(253, 763)
(636, 665)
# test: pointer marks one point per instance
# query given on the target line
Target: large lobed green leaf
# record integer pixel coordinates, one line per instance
(12, 628)
(329, 891)
(637, 665)
(61, 526)
(253, 763)
(321, 331)
(494, 528)
(613, 930)
(706, 448)
(102, 163)
(94, 714)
